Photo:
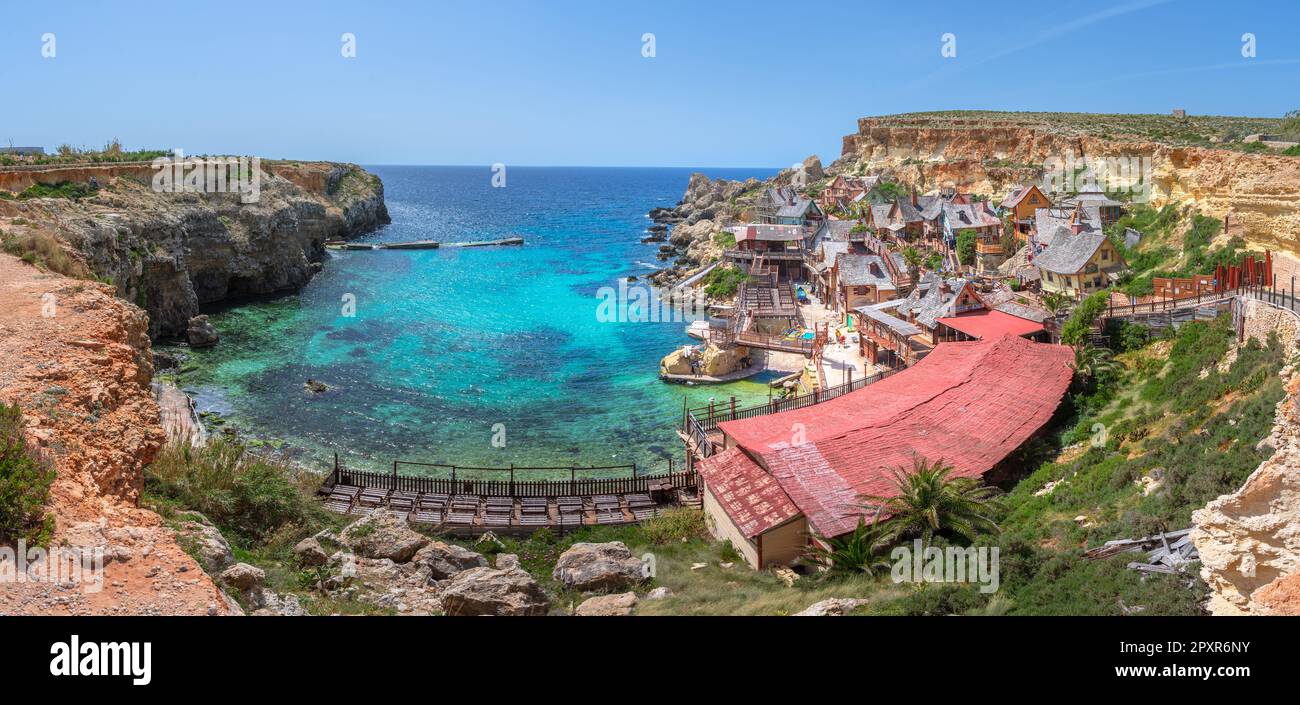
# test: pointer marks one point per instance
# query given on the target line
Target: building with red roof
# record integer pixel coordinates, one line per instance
(968, 404)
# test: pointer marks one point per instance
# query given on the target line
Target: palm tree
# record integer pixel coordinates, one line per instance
(862, 551)
(1091, 363)
(930, 502)
(912, 257)
(1055, 302)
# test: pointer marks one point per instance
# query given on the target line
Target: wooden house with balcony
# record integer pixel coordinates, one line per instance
(842, 193)
(786, 206)
(780, 247)
(1021, 205)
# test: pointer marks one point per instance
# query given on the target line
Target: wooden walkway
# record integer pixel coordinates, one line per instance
(473, 505)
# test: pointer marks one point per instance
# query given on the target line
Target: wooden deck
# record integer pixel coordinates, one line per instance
(469, 506)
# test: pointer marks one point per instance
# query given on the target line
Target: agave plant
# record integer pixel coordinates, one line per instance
(930, 502)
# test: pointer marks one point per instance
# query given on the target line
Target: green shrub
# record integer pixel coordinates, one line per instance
(723, 282)
(966, 247)
(1081, 319)
(236, 490)
(63, 189)
(678, 524)
(25, 481)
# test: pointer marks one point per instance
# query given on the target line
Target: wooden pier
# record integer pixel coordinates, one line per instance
(419, 244)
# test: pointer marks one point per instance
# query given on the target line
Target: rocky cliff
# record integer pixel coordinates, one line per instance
(77, 360)
(989, 152)
(171, 253)
(1249, 540)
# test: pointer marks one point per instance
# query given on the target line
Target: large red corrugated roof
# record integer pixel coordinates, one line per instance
(988, 324)
(967, 404)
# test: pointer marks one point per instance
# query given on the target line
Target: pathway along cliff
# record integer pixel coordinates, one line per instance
(78, 356)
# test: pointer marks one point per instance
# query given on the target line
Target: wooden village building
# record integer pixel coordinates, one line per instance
(967, 404)
(1022, 204)
(1074, 257)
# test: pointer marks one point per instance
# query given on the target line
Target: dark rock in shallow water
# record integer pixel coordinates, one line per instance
(201, 333)
(315, 386)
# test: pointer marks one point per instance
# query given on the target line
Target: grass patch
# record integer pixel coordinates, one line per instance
(43, 251)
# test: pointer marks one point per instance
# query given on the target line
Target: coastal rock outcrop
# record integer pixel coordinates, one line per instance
(171, 253)
(831, 607)
(489, 591)
(211, 548)
(712, 361)
(599, 566)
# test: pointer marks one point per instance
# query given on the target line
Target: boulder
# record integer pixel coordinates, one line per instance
(599, 566)
(831, 607)
(659, 593)
(445, 560)
(607, 606)
(210, 547)
(201, 333)
(383, 534)
(310, 553)
(488, 591)
(812, 169)
(270, 604)
(243, 577)
(507, 560)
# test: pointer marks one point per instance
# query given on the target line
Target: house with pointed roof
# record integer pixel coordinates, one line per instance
(772, 490)
(786, 206)
(1074, 255)
(861, 279)
(1021, 204)
(1099, 207)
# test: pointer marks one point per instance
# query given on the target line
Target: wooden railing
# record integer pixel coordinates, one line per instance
(470, 480)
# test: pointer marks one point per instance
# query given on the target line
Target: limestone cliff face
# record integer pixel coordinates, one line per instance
(77, 360)
(1259, 193)
(172, 253)
(1249, 540)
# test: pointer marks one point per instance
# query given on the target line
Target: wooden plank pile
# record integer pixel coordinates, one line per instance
(1169, 552)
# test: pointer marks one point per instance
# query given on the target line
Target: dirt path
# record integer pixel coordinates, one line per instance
(78, 361)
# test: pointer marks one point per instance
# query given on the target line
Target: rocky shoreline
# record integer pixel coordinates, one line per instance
(708, 207)
(173, 253)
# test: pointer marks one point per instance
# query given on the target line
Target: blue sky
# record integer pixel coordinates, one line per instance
(564, 83)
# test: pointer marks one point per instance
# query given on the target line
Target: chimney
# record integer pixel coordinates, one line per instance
(1076, 220)
(914, 198)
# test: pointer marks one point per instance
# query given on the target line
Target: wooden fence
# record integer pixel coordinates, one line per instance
(470, 480)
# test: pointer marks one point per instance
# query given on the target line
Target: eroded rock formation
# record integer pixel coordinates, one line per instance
(1249, 541)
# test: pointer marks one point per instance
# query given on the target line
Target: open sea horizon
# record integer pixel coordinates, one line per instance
(453, 350)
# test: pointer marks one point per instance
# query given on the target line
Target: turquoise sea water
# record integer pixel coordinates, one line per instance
(445, 344)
